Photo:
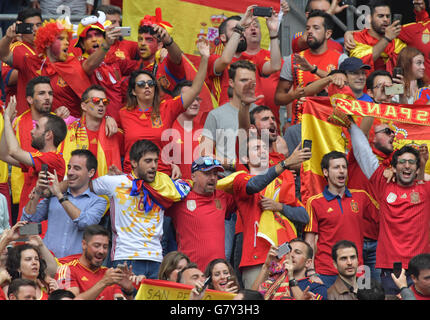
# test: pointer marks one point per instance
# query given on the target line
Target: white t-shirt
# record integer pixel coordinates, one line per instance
(136, 235)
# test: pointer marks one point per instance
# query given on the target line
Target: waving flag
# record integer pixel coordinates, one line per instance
(411, 124)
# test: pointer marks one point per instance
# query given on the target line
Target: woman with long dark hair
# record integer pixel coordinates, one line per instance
(146, 117)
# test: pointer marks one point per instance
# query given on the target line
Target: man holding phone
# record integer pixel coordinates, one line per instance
(379, 46)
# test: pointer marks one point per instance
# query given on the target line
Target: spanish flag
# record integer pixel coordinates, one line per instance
(410, 123)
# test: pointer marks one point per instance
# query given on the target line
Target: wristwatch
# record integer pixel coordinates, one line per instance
(315, 69)
(283, 164)
(292, 283)
(63, 199)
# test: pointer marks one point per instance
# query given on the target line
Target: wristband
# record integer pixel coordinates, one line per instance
(403, 288)
(63, 199)
(169, 44)
(274, 37)
(386, 38)
(314, 70)
(283, 164)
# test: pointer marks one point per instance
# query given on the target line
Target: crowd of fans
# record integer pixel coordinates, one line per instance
(120, 162)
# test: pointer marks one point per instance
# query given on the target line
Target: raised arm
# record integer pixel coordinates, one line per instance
(230, 48)
(366, 159)
(174, 52)
(14, 149)
(275, 62)
(190, 95)
(96, 58)
(5, 53)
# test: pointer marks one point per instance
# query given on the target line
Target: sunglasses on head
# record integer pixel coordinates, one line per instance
(387, 131)
(96, 100)
(207, 162)
(143, 83)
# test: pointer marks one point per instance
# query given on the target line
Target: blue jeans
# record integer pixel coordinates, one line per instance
(369, 258)
(146, 267)
(328, 280)
(168, 242)
(230, 226)
(388, 284)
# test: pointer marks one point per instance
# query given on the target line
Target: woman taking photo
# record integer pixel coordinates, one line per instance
(411, 61)
(146, 117)
(31, 260)
(222, 276)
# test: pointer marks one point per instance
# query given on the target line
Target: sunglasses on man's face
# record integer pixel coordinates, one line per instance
(97, 101)
(387, 131)
(403, 161)
(143, 83)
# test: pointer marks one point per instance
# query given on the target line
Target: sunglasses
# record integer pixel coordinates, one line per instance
(403, 161)
(207, 162)
(143, 83)
(96, 101)
(387, 131)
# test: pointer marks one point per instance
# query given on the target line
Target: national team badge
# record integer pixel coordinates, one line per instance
(391, 197)
(218, 204)
(415, 197)
(354, 206)
(191, 205)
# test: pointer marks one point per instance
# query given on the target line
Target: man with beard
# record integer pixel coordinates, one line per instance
(311, 64)
(67, 213)
(233, 33)
(199, 219)
(138, 201)
(49, 131)
(379, 46)
(85, 276)
(404, 204)
(39, 98)
(345, 260)
(335, 214)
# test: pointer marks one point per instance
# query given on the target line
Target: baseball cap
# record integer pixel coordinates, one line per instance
(206, 164)
(353, 64)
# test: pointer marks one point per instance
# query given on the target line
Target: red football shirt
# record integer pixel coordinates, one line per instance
(137, 125)
(199, 225)
(185, 146)
(54, 160)
(404, 220)
(74, 274)
(218, 84)
(357, 180)
(334, 219)
(418, 295)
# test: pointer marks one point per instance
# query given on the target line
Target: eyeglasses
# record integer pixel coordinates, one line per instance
(403, 161)
(207, 161)
(387, 131)
(96, 100)
(143, 83)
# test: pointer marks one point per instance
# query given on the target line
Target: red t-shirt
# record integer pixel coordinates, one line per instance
(19, 50)
(138, 125)
(199, 225)
(10, 90)
(185, 146)
(418, 295)
(74, 274)
(254, 249)
(218, 84)
(334, 219)
(30, 67)
(404, 220)
(54, 160)
(357, 180)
